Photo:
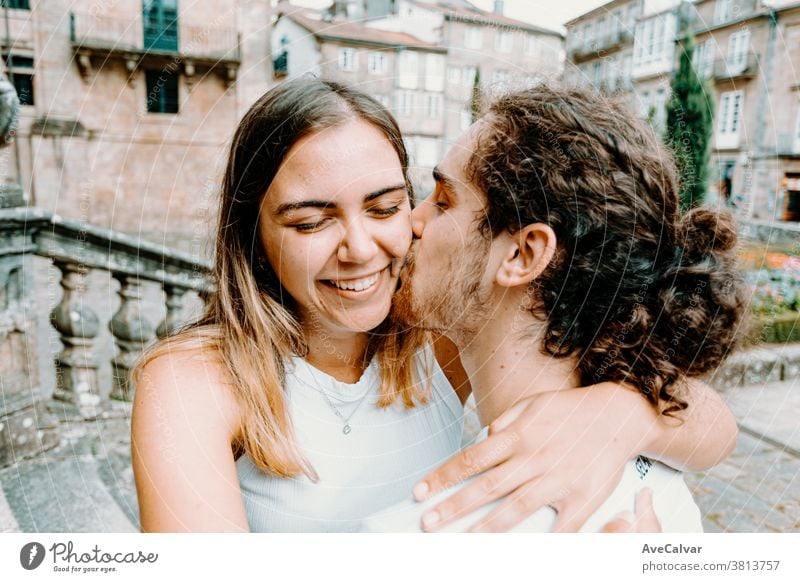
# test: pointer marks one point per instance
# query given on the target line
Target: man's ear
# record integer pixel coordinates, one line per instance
(529, 252)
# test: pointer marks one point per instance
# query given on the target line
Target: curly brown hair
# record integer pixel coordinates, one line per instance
(640, 293)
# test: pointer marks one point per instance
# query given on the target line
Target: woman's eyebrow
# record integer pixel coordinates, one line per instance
(382, 191)
(290, 206)
(328, 204)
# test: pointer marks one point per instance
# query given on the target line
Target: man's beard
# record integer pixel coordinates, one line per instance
(452, 305)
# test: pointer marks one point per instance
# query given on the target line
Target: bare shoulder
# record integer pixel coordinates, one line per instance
(191, 385)
(185, 418)
(450, 361)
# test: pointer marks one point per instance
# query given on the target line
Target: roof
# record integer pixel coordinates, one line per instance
(468, 13)
(603, 8)
(342, 30)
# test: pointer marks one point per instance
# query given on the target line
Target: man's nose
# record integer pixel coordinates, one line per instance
(358, 243)
(419, 218)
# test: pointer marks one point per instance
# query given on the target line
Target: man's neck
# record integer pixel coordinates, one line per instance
(503, 360)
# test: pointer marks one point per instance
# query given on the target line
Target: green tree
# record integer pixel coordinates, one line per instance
(690, 121)
(476, 100)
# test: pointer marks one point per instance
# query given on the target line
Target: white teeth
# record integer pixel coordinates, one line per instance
(357, 284)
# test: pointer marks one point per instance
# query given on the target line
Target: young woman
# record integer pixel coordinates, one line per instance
(292, 405)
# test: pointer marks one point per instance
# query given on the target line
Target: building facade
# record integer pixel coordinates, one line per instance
(747, 51)
(128, 106)
(422, 59)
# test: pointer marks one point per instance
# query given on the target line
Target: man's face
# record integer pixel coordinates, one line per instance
(444, 284)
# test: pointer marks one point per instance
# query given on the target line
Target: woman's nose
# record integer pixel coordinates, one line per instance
(358, 243)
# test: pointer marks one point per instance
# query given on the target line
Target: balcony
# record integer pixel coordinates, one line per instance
(725, 70)
(604, 44)
(96, 39)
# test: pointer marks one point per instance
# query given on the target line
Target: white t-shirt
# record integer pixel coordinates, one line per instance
(371, 467)
(672, 502)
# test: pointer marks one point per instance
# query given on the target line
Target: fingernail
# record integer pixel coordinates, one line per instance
(430, 519)
(421, 490)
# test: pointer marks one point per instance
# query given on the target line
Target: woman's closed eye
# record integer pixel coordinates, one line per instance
(385, 211)
(312, 226)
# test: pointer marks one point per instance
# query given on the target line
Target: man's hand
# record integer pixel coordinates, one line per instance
(645, 520)
(566, 449)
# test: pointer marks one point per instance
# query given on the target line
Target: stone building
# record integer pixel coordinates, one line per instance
(421, 59)
(747, 50)
(401, 71)
(600, 45)
(128, 106)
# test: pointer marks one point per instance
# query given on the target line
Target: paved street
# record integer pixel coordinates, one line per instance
(757, 488)
(86, 485)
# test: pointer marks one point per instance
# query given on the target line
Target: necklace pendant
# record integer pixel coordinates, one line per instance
(346, 429)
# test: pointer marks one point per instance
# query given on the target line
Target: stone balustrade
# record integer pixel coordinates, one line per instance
(76, 249)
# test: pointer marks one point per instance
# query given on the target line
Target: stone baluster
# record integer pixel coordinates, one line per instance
(76, 366)
(131, 331)
(172, 320)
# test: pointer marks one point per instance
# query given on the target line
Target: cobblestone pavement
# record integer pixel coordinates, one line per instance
(757, 488)
(86, 484)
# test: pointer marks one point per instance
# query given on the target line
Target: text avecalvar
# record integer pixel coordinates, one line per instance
(671, 549)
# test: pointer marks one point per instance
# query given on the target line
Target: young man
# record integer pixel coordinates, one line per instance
(553, 253)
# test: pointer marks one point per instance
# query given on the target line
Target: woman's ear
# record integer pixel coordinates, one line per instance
(529, 252)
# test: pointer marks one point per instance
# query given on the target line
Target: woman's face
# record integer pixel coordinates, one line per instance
(335, 224)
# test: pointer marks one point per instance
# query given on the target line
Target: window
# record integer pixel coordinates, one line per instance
(162, 91)
(703, 59)
(434, 72)
(434, 105)
(473, 37)
(160, 24)
(20, 72)
(427, 152)
(616, 24)
(501, 80)
(612, 73)
(348, 59)
(503, 41)
(376, 63)
(654, 44)
(796, 147)
(737, 51)
(383, 100)
(600, 31)
(20, 4)
(405, 103)
(454, 75)
(633, 14)
(730, 119)
(723, 11)
(469, 76)
(531, 45)
(588, 37)
(660, 114)
(466, 118)
(644, 104)
(597, 75)
(408, 77)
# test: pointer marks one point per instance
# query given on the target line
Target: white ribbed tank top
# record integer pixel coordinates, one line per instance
(374, 466)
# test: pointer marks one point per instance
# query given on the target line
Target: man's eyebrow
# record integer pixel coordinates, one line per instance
(327, 204)
(445, 181)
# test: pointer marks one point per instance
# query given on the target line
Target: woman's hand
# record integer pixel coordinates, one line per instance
(566, 449)
(645, 520)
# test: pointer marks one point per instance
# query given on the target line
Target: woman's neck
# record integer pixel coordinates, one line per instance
(340, 354)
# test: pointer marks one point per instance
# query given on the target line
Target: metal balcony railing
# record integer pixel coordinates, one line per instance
(111, 34)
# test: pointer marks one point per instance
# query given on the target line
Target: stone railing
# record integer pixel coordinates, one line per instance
(76, 249)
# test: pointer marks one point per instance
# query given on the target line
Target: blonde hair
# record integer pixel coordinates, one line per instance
(250, 320)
